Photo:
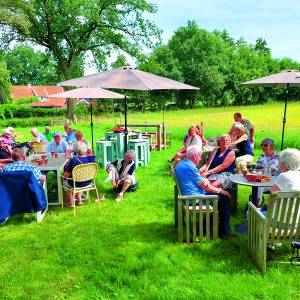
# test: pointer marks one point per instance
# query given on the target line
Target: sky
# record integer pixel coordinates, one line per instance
(277, 21)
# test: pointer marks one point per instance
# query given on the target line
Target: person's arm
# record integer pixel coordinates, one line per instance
(239, 140)
(275, 188)
(6, 160)
(205, 184)
(67, 174)
(229, 159)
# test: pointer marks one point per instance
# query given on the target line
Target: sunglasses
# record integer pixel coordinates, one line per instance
(265, 145)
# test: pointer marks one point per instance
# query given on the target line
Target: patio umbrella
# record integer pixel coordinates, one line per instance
(127, 78)
(89, 94)
(287, 79)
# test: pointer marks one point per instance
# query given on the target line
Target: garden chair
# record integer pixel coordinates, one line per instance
(21, 193)
(279, 226)
(81, 173)
(188, 209)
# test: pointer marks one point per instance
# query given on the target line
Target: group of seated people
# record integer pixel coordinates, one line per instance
(232, 152)
(73, 146)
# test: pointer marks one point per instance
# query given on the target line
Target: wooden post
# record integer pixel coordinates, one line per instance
(164, 135)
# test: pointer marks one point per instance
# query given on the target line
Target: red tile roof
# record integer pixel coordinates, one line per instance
(23, 91)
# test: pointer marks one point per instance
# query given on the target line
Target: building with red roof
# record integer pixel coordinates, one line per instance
(42, 92)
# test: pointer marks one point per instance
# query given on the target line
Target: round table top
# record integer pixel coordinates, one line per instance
(240, 179)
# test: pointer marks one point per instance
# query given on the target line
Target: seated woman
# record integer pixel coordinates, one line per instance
(80, 140)
(242, 143)
(121, 174)
(220, 164)
(267, 163)
(200, 133)
(289, 178)
(193, 139)
(82, 158)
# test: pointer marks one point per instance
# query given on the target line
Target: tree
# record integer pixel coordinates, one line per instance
(5, 85)
(28, 66)
(121, 61)
(70, 29)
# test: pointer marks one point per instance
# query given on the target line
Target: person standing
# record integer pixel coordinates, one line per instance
(249, 128)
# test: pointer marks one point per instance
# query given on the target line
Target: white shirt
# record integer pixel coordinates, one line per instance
(288, 181)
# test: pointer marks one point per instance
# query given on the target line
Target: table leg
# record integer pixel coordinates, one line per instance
(158, 138)
(254, 195)
(59, 187)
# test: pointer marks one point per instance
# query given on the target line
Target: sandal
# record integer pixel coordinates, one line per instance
(119, 198)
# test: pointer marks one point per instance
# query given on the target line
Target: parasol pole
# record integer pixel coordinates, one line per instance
(92, 125)
(125, 131)
(284, 114)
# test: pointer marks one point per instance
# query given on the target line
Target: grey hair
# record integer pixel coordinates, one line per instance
(34, 130)
(131, 153)
(239, 126)
(192, 150)
(81, 148)
(290, 157)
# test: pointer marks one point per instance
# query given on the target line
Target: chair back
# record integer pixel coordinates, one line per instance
(40, 147)
(284, 216)
(84, 172)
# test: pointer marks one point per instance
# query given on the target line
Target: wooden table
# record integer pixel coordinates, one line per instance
(161, 139)
(240, 179)
(55, 165)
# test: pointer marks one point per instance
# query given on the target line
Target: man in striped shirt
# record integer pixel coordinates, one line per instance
(19, 165)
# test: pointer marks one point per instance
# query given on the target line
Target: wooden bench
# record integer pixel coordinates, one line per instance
(188, 209)
(281, 225)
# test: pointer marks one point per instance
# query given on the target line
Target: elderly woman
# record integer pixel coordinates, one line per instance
(242, 143)
(220, 165)
(289, 178)
(192, 139)
(121, 174)
(82, 158)
(80, 140)
(267, 163)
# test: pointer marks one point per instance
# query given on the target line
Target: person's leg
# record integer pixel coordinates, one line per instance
(224, 215)
(69, 196)
(128, 181)
(78, 199)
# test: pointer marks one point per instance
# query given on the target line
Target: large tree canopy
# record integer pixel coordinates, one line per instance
(4, 83)
(69, 29)
(29, 66)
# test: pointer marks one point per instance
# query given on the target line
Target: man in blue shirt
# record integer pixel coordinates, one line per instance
(191, 183)
(58, 145)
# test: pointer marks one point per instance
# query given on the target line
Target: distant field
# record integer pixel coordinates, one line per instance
(266, 118)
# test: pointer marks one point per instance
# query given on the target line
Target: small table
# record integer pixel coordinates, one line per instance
(54, 164)
(240, 179)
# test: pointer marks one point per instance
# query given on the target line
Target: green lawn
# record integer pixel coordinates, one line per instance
(128, 250)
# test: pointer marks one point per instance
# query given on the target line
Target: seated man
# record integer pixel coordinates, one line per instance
(58, 146)
(82, 158)
(69, 134)
(191, 183)
(37, 137)
(121, 174)
(47, 134)
(19, 165)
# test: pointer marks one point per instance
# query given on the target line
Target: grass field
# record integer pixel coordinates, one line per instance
(128, 250)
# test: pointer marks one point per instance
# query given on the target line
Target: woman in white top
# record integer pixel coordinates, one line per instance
(289, 178)
(193, 140)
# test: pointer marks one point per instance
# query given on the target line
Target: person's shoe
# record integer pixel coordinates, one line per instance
(119, 197)
(79, 203)
(70, 205)
(171, 159)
